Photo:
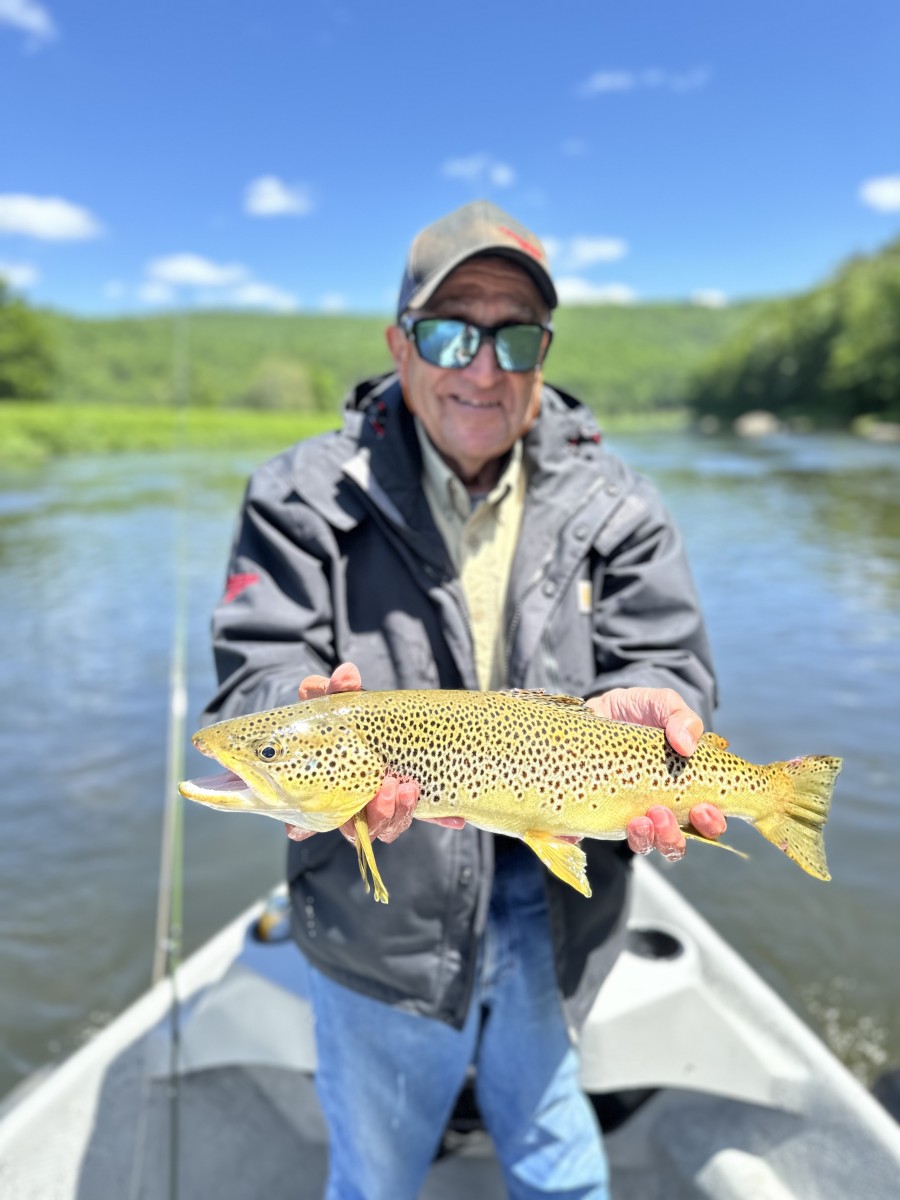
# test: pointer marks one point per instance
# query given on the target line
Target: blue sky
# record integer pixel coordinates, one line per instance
(281, 155)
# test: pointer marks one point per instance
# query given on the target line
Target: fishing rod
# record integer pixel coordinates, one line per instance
(170, 896)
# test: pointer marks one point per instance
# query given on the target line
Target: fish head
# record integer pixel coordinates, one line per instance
(296, 764)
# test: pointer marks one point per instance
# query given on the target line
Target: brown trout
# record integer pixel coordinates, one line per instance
(521, 763)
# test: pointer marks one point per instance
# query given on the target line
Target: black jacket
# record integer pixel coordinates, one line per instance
(336, 559)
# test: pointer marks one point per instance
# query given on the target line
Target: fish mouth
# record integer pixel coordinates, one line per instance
(226, 790)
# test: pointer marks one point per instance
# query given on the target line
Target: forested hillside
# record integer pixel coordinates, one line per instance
(828, 357)
(620, 360)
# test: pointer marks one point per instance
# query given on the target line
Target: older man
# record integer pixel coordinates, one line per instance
(464, 529)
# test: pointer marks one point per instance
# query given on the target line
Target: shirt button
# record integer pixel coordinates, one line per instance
(465, 876)
(581, 532)
(549, 588)
(613, 489)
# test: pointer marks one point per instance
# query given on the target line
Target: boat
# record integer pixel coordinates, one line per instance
(707, 1084)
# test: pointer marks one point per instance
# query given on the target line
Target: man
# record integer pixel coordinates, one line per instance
(465, 530)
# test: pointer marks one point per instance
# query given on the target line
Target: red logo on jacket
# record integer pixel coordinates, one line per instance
(237, 583)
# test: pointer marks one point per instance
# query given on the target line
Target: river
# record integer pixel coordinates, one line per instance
(795, 545)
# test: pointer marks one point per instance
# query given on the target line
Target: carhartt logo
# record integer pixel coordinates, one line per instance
(237, 583)
(520, 241)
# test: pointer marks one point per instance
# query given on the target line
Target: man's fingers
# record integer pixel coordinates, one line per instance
(667, 836)
(639, 834)
(661, 708)
(345, 678)
(406, 796)
(312, 685)
(683, 730)
(708, 820)
(297, 833)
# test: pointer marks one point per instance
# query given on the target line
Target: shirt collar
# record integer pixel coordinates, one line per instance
(444, 482)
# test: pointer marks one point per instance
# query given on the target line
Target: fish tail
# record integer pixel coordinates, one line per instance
(801, 811)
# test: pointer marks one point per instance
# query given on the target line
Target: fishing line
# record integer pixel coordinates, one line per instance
(170, 901)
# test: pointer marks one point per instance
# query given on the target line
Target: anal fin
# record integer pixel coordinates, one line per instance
(564, 859)
(692, 833)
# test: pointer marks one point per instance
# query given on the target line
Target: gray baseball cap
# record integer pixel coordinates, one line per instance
(477, 228)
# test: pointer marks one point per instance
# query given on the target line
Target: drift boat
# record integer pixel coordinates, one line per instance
(211, 1094)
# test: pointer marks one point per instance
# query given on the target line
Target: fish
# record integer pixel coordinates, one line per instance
(544, 768)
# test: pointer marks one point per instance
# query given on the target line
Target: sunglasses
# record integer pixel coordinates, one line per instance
(445, 342)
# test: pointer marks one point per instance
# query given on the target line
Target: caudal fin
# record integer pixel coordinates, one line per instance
(801, 811)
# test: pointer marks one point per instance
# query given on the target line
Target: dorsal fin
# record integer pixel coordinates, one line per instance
(715, 740)
(536, 694)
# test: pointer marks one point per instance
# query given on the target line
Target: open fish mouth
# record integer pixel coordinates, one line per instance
(226, 788)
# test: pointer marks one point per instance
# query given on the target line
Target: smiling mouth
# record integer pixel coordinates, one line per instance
(466, 402)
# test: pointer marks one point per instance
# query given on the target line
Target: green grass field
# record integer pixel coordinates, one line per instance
(32, 433)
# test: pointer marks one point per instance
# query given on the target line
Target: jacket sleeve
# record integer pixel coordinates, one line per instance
(648, 628)
(274, 624)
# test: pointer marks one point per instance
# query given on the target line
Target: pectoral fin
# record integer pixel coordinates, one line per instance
(564, 859)
(366, 857)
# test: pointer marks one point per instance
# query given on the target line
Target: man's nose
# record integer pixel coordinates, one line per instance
(484, 366)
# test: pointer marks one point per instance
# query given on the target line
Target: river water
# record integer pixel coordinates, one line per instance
(795, 544)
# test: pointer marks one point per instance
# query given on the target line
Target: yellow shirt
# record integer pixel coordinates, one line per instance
(481, 535)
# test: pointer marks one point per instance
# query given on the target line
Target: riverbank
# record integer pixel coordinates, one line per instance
(32, 433)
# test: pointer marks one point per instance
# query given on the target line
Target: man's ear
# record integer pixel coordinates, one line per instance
(534, 405)
(398, 344)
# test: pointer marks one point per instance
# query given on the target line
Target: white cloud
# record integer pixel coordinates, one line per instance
(48, 218)
(333, 302)
(585, 251)
(19, 274)
(30, 17)
(480, 169)
(604, 82)
(261, 295)
(607, 81)
(191, 270)
(153, 292)
(501, 175)
(574, 290)
(269, 196)
(573, 147)
(576, 253)
(882, 193)
(709, 298)
(213, 284)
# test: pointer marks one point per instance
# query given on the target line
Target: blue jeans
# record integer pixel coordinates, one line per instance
(387, 1080)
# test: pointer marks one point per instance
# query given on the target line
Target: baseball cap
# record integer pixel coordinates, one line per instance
(477, 228)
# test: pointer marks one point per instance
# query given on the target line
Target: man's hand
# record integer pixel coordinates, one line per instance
(390, 811)
(664, 709)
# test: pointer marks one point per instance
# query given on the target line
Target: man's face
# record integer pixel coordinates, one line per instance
(474, 415)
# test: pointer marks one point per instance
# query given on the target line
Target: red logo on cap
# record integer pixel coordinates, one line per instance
(526, 246)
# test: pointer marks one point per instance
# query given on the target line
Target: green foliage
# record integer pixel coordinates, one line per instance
(31, 433)
(304, 363)
(27, 366)
(829, 356)
(623, 361)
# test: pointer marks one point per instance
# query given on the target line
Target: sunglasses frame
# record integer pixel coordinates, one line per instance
(408, 324)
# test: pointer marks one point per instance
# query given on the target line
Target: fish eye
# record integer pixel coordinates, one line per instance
(268, 751)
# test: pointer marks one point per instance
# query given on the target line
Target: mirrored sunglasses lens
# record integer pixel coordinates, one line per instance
(519, 347)
(446, 343)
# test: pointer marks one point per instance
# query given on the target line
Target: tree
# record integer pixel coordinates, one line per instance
(27, 364)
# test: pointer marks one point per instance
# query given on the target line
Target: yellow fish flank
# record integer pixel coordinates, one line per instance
(523, 763)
